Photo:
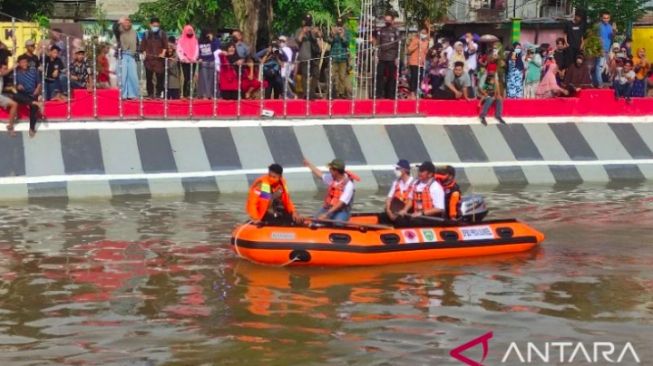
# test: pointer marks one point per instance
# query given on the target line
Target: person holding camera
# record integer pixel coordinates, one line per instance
(273, 60)
(309, 50)
(339, 40)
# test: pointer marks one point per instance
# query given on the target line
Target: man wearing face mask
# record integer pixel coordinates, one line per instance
(426, 199)
(154, 45)
(387, 40)
(399, 192)
(269, 200)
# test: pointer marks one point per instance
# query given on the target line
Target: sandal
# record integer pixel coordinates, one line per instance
(32, 133)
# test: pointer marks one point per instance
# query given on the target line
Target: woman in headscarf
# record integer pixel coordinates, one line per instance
(188, 52)
(641, 68)
(229, 63)
(208, 45)
(548, 87)
(515, 73)
(458, 55)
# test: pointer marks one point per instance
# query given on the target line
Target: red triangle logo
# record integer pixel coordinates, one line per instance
(457, 352)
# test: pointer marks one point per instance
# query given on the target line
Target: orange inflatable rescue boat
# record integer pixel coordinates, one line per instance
(364, 241)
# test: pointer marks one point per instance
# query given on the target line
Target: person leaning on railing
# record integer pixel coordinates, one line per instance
(273, 60)
(154, 45)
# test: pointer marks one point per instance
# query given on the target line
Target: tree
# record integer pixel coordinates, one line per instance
(26, 9)
(174, 14)
(419, 11)
(624, 12)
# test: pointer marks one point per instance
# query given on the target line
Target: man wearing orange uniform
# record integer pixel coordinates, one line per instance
(269, 200)
(399, 192)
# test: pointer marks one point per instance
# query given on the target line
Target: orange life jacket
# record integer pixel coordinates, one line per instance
(335, 190)
(452, 196)
(402, 196)
(260, 197)
(422, 200)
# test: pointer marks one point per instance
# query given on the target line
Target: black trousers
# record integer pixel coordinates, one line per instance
(309, 82)
(415, 71)
(186, 70)
(28, 100)
(149, 83)
(386, 79)
(275, 85)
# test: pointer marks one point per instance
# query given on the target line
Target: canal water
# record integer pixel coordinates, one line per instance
(145, 281)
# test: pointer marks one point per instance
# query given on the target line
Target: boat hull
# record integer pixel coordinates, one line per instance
(332, 246)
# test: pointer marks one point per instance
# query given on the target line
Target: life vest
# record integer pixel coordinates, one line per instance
(422, 200)
(402, 196)
(335, 190)
(452, 196)
(260, 199)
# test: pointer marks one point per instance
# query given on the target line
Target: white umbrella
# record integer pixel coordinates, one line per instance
(488, 38)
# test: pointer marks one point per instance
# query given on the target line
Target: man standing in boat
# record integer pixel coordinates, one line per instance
(399, 192)
(269, 200)
(340, 190)
(425, 201)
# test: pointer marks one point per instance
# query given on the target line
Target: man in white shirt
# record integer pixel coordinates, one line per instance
(399, 192)
(340, 191)
(426, 199)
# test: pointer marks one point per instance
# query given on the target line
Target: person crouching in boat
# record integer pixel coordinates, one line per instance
(399, 192)
(426, 199)
(269, 200)
(340, 190)
(446, 176)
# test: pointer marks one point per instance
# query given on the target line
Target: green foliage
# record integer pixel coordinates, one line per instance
(288, 14)
(624, 12)
(592, 46)
(174, 14)
(26, 9)
(42, 20)
(419, 11)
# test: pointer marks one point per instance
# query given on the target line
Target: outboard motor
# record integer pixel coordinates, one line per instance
(473, 208)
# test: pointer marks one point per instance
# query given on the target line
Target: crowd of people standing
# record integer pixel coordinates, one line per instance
(322, 63)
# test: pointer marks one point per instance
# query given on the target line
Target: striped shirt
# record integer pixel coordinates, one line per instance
(29, 79)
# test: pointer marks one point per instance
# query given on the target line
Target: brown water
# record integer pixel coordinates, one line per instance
(149, 282)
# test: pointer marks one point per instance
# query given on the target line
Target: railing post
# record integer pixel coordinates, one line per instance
(308, 90)
(330, 89)
(68, 93)
(214, 108)
(396, 105)
(240, 84)
(120, 86)
(140, 80)
(375, 76)
(165, 88)
(190, 92)
(95, 116)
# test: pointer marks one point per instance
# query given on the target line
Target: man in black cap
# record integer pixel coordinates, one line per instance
(309, 50)
(426, 198)
(387, 40)
(399, 192)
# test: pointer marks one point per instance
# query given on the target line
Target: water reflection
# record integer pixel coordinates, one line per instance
(153, 281)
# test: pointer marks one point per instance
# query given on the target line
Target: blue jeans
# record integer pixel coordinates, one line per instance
(128, 76)
(597, 78)
(622, 90)
(342, 215)
(487, 103)
(52, 87)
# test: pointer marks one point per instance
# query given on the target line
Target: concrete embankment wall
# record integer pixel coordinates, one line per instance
(80, 160)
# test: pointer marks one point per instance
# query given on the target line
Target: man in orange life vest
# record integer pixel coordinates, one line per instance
(269, 200)
(446, 176)
(340, 192)
(399, 192)
(425, 199)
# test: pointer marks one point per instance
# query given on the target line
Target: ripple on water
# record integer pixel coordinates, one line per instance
(154, 281)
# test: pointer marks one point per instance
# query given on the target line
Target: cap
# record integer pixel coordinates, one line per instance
(80, 50)
(337, 164)
(30, 42)
(427, 166)
(403, 164)
(283, 38)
